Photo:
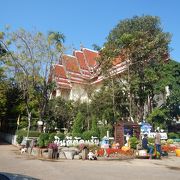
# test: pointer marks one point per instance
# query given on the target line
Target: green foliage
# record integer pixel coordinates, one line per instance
(141, 41)
(2, 50)
(78, 124)
(51, 137)
(19, 139)
(3, 97)
(173, 135)
(59, 114)
(133, 142)
(57, 38)
(41, 143)
(29, 59)
(24, 133)
(96, 47)
(94, 128)
(14, 104)
(21, 132)
(158, 117)
(171, 74)
(1, 35)
(109, 104)
(87, 135)
(34, 133)
(43, 140)
(61, 135)
(163, 115)
(103, 130)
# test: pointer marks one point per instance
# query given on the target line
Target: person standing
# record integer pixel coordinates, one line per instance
(158, 142)
(32, 144)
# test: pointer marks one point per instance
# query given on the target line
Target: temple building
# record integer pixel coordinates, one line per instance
(76, 74)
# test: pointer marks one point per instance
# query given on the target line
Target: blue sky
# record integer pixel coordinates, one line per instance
(88, 22)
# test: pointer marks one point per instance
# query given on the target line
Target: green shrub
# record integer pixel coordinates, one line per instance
(103, 130)
(77, 125)
(87, 135)
(94, 127)
(51, 137)
(60, 135)
(43, 140)
(133, 142)
(31, 133)
(34, 133)
(21, 132)
(19, 139)
(46, 142)
(77, 135)
(173, 135)
(95, 134)
(40, 143)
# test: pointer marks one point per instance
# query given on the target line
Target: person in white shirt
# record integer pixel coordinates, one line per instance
(158, 142)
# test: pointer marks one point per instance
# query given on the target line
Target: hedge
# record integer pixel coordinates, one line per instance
(22, 132)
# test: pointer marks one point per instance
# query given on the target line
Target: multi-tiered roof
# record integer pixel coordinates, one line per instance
(81, 68)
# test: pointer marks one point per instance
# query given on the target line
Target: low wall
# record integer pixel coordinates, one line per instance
(9, 138)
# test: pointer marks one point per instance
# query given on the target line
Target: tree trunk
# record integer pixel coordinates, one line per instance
(29, 123)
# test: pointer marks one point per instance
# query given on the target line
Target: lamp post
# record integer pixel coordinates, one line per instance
(40, 125)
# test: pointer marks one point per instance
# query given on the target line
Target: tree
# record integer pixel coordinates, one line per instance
(78, 125)
(140, 42)
(94, 127)
(170, 79)
(60, 114)
(163, 115)
(3, 98)
(158, 118)
(30, 61)
(110, 103)
(2, 51)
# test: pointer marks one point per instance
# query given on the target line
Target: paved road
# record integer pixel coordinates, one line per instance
(12, 161)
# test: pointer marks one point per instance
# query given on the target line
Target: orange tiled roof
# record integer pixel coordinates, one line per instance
(90, 57)
(81, 60)
(59, 71)
(70, 63)
(79, 68)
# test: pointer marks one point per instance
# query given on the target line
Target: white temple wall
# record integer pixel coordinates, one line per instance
(78, 93)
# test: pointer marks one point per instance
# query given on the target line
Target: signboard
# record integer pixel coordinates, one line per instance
(152, 135)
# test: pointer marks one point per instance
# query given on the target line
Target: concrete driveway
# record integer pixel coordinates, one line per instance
(11, 161)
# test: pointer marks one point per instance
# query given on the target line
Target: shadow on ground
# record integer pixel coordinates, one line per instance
(173, 168)
(13, 176)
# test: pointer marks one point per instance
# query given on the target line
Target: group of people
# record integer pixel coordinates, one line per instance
(149, 148)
